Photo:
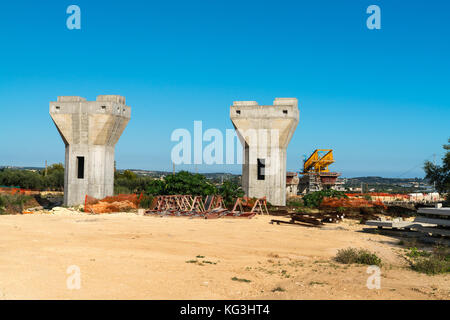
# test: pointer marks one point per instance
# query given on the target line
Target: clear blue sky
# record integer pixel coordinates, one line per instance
(379, 98)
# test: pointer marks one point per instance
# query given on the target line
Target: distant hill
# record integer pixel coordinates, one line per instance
(380, 184)
(381, 180)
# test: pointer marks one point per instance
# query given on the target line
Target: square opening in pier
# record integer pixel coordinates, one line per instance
(80, 167)
(261, 169)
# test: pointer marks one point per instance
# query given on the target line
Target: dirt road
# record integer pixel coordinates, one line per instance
(125, 256)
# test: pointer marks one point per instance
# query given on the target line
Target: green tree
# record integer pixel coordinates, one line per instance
(440, 175)
(155, 187)
(229, 191)
(130, 175)
(314, 199)
(184, 182)
(26, 179)
(56, 167)
(129, 182)
(55, 177)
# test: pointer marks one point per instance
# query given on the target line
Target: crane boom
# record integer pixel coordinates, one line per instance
(319, 161)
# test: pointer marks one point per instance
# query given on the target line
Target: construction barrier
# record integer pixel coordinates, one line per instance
(350, 203)
(17, 190)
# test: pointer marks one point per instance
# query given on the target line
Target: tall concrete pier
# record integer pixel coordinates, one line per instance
(90, 131)
(265, 132)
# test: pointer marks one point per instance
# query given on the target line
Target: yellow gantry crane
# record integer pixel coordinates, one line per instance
(318, 161)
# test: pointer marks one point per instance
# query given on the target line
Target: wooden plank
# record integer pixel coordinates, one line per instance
(436, 211)
(439, 222)
(294, 223)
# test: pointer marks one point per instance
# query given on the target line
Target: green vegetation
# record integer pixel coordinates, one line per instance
(314, 199)
(13, 202)
(295, 203)
(50, 179)
(128, 182)
(415, 253)
(240, 280)
(340, 210)
(230, 190)
(146, 201)
(191, 261)
(182, 182)
(440, 175)
(200, 263)
(359, 256)
(278, 289)
(431, 263)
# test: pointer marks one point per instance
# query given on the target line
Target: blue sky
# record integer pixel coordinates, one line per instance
(379, 98)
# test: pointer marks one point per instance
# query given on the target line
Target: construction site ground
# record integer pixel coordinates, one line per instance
(127, 256)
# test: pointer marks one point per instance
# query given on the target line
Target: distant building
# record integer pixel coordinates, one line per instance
(424, 197)
(292, 181)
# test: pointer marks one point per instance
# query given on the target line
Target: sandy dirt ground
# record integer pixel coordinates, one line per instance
(126, 256)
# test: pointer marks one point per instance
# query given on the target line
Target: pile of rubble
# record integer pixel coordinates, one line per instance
(59, 211)
(119, 203)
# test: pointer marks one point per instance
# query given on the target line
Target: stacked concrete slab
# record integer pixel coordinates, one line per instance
(439, 216)
(265, 132)
(431, 221)
(90, 131)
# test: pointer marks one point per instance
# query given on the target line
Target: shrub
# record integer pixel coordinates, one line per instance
(432, 263)
(295, 203)
(229, 191)
(146, 202)
(121, 190)
(340, 210)
(240, 280)
(15, 202)
(2, 204)
(155, 187)
(360, 256)
(414, 253)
